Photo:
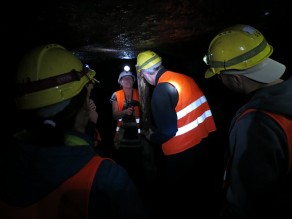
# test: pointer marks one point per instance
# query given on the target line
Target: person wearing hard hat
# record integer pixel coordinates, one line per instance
(126, 111)
(183, 121)
(258, 175)
(50, 169)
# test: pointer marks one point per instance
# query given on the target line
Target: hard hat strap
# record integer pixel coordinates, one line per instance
(33, 86)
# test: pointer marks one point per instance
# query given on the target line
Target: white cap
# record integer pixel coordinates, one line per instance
(266, 72)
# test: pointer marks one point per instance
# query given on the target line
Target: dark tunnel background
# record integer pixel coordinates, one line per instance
(183, 56)
(47, 23)
(181, 40)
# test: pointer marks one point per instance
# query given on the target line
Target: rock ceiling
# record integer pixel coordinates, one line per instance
(98, 29)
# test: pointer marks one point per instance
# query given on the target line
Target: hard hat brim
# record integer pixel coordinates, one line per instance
(266, 72)
(209, 73)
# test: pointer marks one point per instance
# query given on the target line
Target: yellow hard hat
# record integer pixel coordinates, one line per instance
(146, 60)
(50, 74)
(238, 47)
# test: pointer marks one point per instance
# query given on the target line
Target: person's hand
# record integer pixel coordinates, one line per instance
(146, 133)
(91, 105)
(129, 111)
(149, 134)
(93, 115)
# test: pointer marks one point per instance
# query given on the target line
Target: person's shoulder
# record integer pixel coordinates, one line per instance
(254, 120)
(114, 93)
(110, 166)
(113, 96)
(109, 171)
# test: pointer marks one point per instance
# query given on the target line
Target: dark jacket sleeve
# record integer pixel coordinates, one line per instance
(163, 103)
(114, 194)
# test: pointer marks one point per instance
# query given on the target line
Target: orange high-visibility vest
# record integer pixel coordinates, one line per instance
(284, 122)
(286, 125)
(194, 118)
(121, 99)
(68, 201)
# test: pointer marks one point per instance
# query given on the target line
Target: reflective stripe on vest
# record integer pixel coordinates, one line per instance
(194, 117)
(195, 123)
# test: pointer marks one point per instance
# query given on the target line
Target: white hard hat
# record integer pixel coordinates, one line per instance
(126, 73)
